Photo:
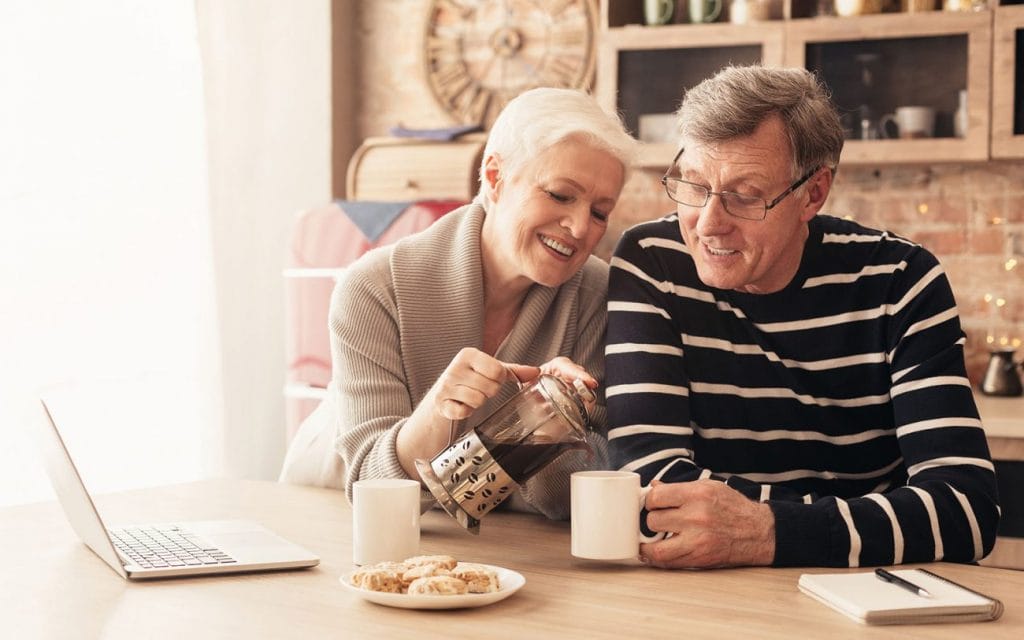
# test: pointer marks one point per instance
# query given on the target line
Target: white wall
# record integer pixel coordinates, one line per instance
(105, 268)
(267, 67)
(153, 152)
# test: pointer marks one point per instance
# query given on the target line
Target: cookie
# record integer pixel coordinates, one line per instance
(445, 562)
(375, 578)
(437, 586)
(422, 571)
(478, 578)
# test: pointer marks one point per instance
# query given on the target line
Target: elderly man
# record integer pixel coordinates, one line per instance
(792, 384)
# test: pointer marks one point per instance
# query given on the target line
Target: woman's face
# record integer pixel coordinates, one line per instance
(545, 220)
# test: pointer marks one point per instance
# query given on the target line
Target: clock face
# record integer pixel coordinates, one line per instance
(482, 53)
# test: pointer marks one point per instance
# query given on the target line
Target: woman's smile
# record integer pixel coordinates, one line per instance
(561, 249)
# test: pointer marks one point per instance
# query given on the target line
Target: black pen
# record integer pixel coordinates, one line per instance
(900, 582)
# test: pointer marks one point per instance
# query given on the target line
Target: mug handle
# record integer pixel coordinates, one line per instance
(883, 126)
(665, 12)
(714, 12)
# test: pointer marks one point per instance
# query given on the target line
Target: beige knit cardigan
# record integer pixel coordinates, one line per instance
(401, 313)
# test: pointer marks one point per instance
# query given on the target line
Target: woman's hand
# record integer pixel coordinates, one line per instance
(564, 368)
(470, 379)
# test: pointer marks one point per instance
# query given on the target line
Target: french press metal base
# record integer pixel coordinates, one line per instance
(467, 481)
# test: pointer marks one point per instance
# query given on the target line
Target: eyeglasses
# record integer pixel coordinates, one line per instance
(691, 194)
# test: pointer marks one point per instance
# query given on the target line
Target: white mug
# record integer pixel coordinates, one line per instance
(605, 510)
(704, 10)
(658, 11)
(385, 520)
(911, 122)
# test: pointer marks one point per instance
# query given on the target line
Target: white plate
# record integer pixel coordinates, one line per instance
(510, 581)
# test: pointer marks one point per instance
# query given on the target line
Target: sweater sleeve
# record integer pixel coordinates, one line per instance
(372, 394)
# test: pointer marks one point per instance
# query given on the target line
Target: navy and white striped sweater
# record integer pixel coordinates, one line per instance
(841, 401)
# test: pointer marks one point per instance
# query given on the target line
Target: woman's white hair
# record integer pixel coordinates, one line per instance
(537, 119)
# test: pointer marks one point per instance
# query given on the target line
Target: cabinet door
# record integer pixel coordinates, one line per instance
(1008, 82)
(646, 70)
(878, 63)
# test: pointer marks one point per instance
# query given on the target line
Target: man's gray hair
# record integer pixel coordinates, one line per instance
(736, 100)
(537, 119)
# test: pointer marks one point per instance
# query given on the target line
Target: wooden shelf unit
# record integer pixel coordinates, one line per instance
(950, 51)
(1008, 82)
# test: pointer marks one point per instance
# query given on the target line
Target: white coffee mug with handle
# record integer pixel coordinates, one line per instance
(910, 122)
(385, 520)
(605, 511)
(658, 11)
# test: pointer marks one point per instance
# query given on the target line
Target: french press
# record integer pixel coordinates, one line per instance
(477, 472)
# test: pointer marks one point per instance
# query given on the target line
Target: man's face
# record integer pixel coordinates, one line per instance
(549, 215)
(753, 256)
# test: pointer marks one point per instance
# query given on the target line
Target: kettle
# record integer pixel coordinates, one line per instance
(477, 472)
(1001, 376)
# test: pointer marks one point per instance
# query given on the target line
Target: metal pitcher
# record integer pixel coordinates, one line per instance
(1001, 376)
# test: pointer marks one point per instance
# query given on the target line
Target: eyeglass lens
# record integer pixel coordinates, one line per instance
(695, 195)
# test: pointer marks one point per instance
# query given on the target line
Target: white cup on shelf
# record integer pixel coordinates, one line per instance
(657, 127)
(910, 122)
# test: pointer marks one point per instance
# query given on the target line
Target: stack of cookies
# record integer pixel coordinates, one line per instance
(437, 575)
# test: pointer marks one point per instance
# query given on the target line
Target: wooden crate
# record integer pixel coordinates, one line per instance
(398, 169)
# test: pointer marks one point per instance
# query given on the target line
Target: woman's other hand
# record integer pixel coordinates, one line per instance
(470, 379)
(564, 368)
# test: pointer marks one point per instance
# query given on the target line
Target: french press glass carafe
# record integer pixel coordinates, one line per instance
(480, 470)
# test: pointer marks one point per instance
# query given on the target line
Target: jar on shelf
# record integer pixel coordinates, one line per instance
(960, 117)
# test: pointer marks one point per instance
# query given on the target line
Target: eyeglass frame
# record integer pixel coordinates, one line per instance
(768, 206)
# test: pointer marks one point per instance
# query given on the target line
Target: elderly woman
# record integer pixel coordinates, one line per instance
(433, 328)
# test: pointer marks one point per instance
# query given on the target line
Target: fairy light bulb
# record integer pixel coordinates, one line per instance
(1010, 264)
(922, 208)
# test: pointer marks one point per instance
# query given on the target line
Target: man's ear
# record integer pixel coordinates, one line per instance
(493, 175)
(816, 193)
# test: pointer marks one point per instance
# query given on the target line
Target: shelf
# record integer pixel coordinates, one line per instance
(1008, 82)
(929, 57)
(332, 273)
(304, 391)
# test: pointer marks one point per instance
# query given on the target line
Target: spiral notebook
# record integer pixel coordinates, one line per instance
(866, 599)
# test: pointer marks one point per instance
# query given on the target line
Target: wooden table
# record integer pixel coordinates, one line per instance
(54, 587)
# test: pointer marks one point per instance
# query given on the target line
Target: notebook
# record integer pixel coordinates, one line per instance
(869, 600)
(161, 550)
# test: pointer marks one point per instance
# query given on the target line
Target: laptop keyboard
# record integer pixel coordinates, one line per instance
(165, 546)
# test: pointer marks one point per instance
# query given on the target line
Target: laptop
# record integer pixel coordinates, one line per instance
(142, 552)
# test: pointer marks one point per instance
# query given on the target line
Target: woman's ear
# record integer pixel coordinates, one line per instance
(492, 174)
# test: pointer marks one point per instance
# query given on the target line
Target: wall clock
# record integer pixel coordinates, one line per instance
(482, 53)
